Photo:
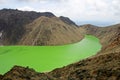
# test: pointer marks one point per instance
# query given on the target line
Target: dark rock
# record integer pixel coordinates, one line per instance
(1, 77)
(67, 20)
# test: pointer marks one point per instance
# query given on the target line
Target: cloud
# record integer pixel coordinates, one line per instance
(31, 0)
(95, 10)
(41, 1)
(116, 7)
(2, 1)
(26, 8)
(77, 10)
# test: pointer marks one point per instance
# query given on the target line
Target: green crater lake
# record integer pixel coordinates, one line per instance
(47, 58)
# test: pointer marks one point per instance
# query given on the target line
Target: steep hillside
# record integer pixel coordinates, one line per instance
(21, 73)
(50, 31)
(109, 36)
(12, 23)
(13, 27)
(96, 68)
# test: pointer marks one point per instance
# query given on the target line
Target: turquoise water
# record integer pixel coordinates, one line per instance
(47, 58)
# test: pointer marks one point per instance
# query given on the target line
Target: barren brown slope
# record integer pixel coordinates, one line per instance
(102, 67)
(50, 31)
(109, 36)
(12, 23)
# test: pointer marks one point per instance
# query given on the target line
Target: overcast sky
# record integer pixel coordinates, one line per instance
(98, 12)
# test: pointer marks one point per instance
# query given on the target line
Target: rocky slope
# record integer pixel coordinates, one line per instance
(21, 73)
(50, 31)
(14, 25)
(109, 36)
(67, 20)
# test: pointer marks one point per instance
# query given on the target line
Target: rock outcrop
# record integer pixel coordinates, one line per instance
(67, 20)
(22, 73)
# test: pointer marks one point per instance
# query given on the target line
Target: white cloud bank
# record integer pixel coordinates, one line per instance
(77, 10)
(26, 8)
(2, 1)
